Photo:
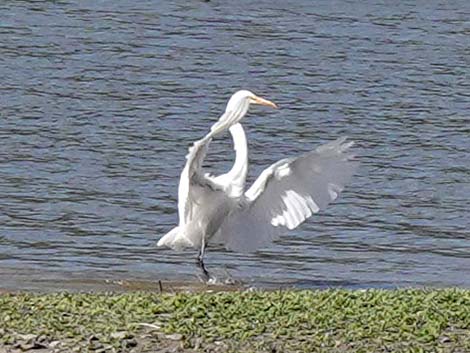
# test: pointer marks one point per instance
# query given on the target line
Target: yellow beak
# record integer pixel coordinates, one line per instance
(262, 101)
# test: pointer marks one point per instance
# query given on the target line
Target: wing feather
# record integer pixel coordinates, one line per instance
(286, 194)
(192, 172)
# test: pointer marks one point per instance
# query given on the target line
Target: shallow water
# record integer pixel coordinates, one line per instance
(100, 101)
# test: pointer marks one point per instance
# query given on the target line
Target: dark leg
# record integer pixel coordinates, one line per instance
(201, 265)
(200, 260)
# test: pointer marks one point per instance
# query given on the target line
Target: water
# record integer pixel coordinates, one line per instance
(100, 101)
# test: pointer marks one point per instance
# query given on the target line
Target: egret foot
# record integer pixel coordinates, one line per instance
(229, 280)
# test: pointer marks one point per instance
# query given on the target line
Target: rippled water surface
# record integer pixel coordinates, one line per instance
(99, 101)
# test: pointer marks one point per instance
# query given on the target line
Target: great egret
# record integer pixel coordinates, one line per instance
(285, 194)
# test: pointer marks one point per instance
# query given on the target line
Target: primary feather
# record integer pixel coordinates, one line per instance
(286, 194)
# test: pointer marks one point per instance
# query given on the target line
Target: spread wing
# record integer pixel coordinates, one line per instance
(192, 173)
(286, 194)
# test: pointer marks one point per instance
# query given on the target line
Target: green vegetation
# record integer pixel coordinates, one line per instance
(261, 321)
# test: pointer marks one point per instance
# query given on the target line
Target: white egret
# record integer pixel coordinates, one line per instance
(284, 195)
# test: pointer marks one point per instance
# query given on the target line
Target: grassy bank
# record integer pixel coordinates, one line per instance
(279, 321)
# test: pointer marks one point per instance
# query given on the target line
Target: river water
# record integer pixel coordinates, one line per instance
(99, 101)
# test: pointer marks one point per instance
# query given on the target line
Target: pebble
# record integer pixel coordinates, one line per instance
(120, 335)
(445, 339)
(174, 337)
(54, 344)
(27, 337)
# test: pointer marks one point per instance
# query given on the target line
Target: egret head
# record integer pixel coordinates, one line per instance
(243, 99)
(237, 107)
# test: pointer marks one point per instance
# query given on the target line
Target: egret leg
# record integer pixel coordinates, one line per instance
(200, 259)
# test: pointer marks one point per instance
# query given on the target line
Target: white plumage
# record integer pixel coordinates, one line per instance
(284, 195)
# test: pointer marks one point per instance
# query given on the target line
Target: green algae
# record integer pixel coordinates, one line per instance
(409, 320)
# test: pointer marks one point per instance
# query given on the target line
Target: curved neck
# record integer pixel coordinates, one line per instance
(240, 168)
(231, 116)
